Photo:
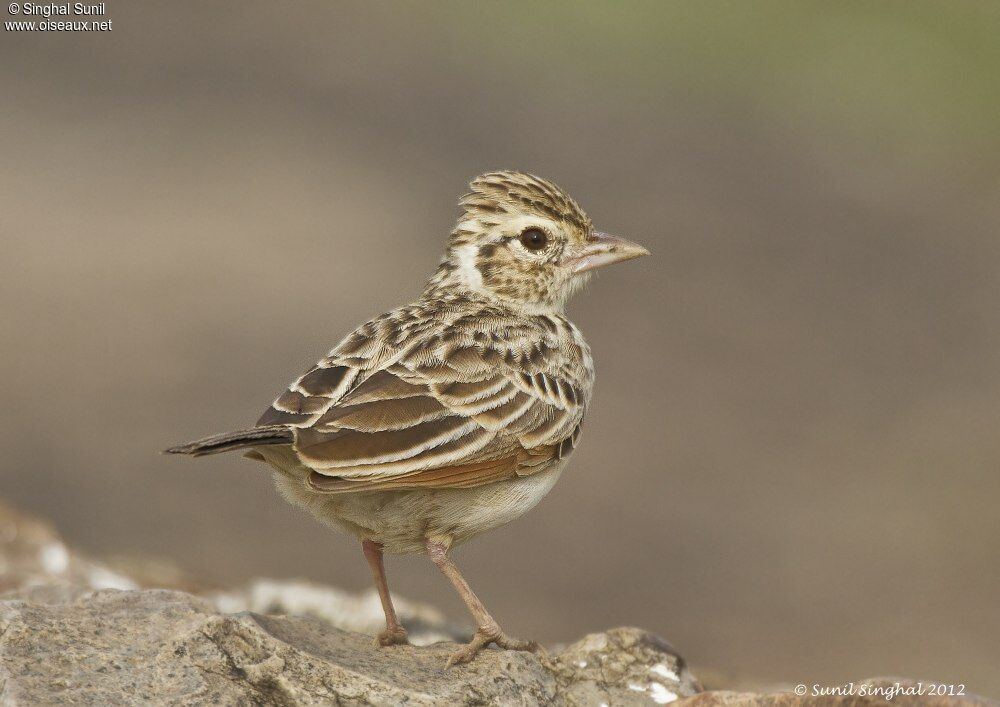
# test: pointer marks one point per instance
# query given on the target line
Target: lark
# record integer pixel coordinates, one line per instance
(454, 414)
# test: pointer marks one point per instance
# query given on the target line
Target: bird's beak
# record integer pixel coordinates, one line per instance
(602, 249)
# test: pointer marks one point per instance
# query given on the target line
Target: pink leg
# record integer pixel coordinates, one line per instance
(487, 629)
(394, 632)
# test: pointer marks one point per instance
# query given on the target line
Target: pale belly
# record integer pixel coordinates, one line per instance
(403, 520)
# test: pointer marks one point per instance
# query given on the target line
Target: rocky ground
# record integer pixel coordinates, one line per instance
(76, 631)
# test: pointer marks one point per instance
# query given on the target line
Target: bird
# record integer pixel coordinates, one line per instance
(454, 414)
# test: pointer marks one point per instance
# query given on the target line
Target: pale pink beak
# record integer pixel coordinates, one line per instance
(600, 250)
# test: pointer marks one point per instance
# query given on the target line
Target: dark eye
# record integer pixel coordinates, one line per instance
(534, 239)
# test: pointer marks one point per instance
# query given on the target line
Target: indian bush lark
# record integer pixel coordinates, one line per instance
(456, 413)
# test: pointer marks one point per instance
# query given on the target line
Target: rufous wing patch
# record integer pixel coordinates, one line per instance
(525, 463)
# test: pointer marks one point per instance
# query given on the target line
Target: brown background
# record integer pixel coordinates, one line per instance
(791, 469)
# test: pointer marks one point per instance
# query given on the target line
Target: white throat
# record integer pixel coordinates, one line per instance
(466, 271)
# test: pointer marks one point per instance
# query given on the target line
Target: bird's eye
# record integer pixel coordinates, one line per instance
(534, 239)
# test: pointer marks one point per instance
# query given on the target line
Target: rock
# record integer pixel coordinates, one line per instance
(168, 647)
(361, 613)
(75, 631)
(623, 666)
(35, 562)
(36, 565)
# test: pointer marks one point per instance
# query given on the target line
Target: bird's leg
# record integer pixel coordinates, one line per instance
(394, 632)
(487, 629)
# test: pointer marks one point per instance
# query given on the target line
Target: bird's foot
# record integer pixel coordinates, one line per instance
(392, 636)
(485, 636)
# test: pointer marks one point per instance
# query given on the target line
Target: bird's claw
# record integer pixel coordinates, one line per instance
(395, 636)
(482, 638)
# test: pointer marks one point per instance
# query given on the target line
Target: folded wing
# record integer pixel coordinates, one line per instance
(444, 413)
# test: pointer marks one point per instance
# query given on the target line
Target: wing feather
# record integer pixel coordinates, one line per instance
(455, 476)
(384, 415)
(411, 402)
(347, 448)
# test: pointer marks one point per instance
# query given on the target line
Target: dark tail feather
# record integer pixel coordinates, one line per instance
(228, 441)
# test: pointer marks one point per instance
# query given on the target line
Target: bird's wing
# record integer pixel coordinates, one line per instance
(447, 407)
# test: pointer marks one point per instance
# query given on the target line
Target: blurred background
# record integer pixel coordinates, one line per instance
(791, 467)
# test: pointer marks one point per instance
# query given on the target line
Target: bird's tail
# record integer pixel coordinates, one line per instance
(229, 441)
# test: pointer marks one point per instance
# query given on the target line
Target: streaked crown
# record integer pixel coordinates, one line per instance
(499, 195)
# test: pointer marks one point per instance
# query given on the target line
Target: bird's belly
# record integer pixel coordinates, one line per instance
(403, 520)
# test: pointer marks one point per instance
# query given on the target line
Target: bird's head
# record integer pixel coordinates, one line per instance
(523, 240)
